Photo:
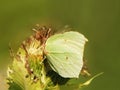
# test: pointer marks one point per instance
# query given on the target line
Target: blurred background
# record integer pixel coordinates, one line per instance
(98, 20)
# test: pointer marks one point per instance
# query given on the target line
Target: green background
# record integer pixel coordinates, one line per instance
(98, 20)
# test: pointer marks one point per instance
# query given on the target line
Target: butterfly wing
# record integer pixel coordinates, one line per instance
(65, 53)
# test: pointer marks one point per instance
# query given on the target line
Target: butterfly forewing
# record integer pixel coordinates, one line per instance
(65, 53)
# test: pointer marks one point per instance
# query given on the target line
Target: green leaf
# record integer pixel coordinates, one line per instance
(90, 80)
(17, 77)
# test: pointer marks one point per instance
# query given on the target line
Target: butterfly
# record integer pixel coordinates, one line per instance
(64, 53)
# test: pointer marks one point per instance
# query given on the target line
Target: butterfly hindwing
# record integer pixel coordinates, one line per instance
(65, 53)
